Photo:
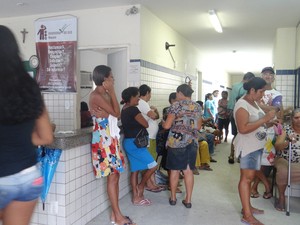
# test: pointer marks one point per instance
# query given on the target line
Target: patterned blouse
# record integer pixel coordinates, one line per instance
(295, 146)
(184, 128)
(223, 112)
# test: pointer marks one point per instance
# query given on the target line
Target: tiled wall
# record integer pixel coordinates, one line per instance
(285, 83)
(80, 196)
(162, 81)
(62, 108)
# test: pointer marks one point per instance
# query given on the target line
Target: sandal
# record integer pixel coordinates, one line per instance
(254, 211)
(230, 159)
(172, 202)
(143, 202)
(254, 194)
(206, 167)
(156, 189)
(267, 195)
(130, 222)
(187, 205)
(250, 220)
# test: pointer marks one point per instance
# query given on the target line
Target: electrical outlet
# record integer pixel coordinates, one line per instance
(53, 209)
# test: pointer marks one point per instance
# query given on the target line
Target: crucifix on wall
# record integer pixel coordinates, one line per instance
(24, 32)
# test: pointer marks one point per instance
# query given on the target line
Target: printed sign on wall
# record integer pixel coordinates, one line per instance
(56, 46)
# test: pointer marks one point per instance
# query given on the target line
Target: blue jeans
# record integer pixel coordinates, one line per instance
(211, 143)
(23, 186)
(251, 161)
(210, 139)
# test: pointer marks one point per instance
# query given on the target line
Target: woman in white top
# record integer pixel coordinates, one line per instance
(251, 123)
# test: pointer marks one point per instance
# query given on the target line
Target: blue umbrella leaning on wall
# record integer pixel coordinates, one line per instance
(48, 159)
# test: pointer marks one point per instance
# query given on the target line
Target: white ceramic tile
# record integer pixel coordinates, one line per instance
(61, 211)
(52, 220)
(62, 221)
(78, 183)
(61, 200)
(72, 175)
(61, 189)
(72, 185)
(42, 219)
(73, 164)
(60, 178)
(60, 167)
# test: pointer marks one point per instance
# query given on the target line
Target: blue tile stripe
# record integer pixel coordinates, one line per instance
(286, 72)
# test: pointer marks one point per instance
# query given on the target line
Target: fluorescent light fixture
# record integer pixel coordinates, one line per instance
(215, 20)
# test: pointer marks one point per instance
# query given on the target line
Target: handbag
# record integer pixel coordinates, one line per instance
(141, 140)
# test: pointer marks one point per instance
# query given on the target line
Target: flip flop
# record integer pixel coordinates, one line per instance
(155, 190)
(251, 222)
(267, 195)
(127, 217)
(254, 211)
(254, 195)
(128, 223)
(143, 202)
(205, 168)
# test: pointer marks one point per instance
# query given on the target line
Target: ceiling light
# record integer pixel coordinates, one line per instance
(215, 20)
(20, 4)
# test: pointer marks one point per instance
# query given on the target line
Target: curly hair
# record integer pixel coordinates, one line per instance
(20, 96)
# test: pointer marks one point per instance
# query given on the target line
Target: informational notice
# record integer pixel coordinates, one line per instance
(56, 46)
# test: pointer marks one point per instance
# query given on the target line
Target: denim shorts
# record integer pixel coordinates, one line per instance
(251, 161)
(23, 186)
(180, 158)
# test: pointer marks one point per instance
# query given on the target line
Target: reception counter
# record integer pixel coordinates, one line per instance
(75, 196)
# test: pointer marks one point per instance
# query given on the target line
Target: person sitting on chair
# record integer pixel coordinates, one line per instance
(289, 133)
(85, 115)
(205, 135)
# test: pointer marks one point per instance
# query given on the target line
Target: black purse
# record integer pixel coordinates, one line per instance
(141, 140)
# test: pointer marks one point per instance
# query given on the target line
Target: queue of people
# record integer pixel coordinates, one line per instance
(254, 107)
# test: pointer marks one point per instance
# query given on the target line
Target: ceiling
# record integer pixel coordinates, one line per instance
(249, 26)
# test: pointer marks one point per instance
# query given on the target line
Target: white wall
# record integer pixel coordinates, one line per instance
(96, 27)
(144, 34)
(285, 48)
(118, 61)
(154, 34)
(297, 63)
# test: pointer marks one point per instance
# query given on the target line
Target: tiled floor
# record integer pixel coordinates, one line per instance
(215, 201)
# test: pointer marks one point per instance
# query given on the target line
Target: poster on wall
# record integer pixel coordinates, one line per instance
(56, 47)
